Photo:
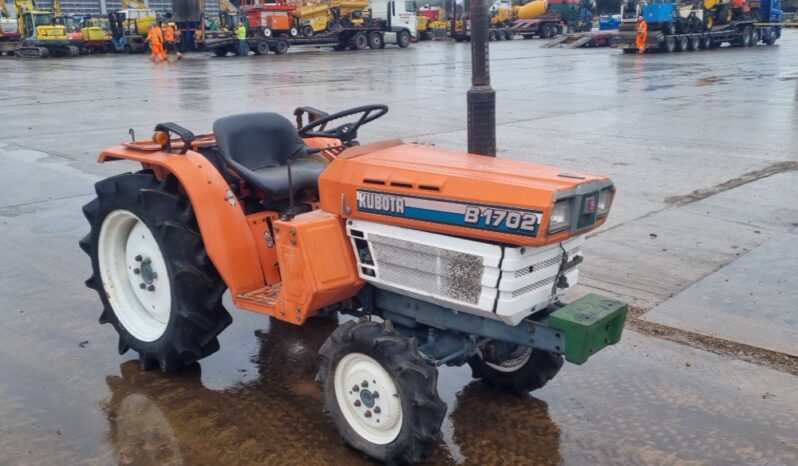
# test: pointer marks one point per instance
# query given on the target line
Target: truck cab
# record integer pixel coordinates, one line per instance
(398, 15)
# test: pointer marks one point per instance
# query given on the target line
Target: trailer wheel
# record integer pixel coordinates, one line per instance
(158, 287)
(220, 51)
(262, 47)
(747, 37)
(491, 35)
(682, 43)
(376, 40)
(770, 37)
(670, 44)
(281, 47)
(359, 41)
(307, 31)
(546, 32)
(527, 369)
(267, 32)
(706, 42)
(695, 43)
(293, 32)
(510, 34)
(756, 36)
(403, 39)
(380, 393)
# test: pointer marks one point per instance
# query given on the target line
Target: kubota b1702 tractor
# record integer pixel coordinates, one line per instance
(444, 258)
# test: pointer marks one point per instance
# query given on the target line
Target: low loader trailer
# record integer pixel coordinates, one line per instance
(354, 38)
(743, 33)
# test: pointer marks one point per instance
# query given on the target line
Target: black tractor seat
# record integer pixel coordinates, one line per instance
(257, 145)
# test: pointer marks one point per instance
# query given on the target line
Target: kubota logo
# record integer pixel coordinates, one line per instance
(380, 202)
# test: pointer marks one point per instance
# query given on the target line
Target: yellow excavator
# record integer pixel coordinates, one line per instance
(39, 35)
(330, 14)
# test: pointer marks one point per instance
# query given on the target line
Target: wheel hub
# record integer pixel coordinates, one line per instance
(368, 398)
(134, 275)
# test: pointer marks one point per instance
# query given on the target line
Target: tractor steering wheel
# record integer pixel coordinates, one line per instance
(348, 131)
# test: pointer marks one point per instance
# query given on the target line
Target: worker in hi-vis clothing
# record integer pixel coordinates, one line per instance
(241, 34)
(169, 38)
(155, 39)
(642, 34)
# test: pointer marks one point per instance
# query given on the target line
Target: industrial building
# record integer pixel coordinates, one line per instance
(97, 7)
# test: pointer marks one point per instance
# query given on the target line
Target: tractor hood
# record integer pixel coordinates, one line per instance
(493, 199)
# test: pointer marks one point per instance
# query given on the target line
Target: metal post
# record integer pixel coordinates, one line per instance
(452, 17)
(481, 97)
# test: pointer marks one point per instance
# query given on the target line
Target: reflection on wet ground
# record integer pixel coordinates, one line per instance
(639, 415)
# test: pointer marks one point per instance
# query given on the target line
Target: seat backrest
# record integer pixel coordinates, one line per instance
(258, 140)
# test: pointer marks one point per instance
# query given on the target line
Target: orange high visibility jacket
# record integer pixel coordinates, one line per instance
(155, 36)
(169, 34)
(642, 27)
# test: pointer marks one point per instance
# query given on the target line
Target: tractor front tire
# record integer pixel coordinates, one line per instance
(380, 393)
(528, 370)
(158, 287)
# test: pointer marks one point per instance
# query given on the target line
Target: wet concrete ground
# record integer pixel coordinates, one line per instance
(701, 146)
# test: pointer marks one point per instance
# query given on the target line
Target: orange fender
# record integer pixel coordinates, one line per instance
(221, 219)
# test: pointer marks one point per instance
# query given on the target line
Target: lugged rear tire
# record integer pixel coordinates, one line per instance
(196, 315)
(532, 370)
(374, 346)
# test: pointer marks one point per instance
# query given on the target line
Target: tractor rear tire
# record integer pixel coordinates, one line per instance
(380, 393)
(530, 370)
(143, 230)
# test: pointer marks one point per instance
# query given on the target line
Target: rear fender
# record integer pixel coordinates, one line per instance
(221, 220)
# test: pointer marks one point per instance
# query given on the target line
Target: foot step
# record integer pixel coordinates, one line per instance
(264, 296)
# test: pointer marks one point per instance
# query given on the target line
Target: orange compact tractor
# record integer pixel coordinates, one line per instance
(444, 258)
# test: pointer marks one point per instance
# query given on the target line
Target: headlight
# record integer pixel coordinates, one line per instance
(560, 216)
(604, 202)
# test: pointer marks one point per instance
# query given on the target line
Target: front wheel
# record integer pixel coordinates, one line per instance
(158, 287)
(380, 393)
(404, 39)
(525, 369)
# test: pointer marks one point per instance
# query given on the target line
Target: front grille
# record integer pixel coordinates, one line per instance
(546, 263)
(434, 270)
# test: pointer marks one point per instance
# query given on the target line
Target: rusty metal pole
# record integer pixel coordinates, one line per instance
(481, 97)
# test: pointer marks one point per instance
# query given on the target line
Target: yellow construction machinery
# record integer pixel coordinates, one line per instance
(39, 36)
(327, 15)
(138, 16)
(431, 22)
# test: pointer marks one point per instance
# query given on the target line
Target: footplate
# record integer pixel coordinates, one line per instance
(589, 324)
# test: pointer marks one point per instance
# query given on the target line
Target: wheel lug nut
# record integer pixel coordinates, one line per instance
(377, 410)
(375, 394)
(142, 285)
(357, 403)
(136, 271)
(367, 414)
(364, 384)
(355, 388)
(151, 288)
(138, 258)
(147, 261)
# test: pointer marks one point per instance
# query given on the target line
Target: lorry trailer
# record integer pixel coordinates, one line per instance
(743, 33)
(353, 38)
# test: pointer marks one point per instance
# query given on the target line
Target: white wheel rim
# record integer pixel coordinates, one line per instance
(512, 364)
(129, 256)
(368, 398)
